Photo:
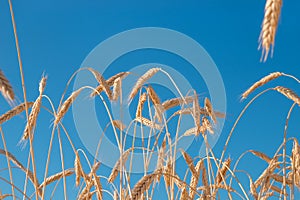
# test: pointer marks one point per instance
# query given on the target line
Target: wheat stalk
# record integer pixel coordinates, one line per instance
(269, 27)
(261, 82)
(6, 89)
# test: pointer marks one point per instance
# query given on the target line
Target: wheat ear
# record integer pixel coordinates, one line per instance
(189, 162)
(195, 179)
(102, 82)
(269, 27)
(115, 171)
(140, 105)
(6, 89)
(222, 172)
(35, 110)
(78, 169)
(290, 94)
(18, 164)
(209, 109)
(261, 82)
(160, 159)
(109, 82)
(66, 105)
(13, 112)
(177, 102)
(55, 177)
(141, 81)
(142, 185)
(261, 155)
(148, 123)
(117, 86)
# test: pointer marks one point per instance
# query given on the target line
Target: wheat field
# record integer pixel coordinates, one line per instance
(213, 176)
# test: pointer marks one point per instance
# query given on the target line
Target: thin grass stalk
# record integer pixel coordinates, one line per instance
(8, 163)
(62, 162)
(284, 149)
(238, 119)
(24, 90)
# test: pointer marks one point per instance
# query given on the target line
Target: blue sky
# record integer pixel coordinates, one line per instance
(56, 36)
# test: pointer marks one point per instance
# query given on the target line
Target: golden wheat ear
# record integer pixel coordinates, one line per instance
(269, 27)
(6, 89)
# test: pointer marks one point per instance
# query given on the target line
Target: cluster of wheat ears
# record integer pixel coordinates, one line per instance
(208, 177)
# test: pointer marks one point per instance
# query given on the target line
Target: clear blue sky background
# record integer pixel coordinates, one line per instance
(55, 37)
